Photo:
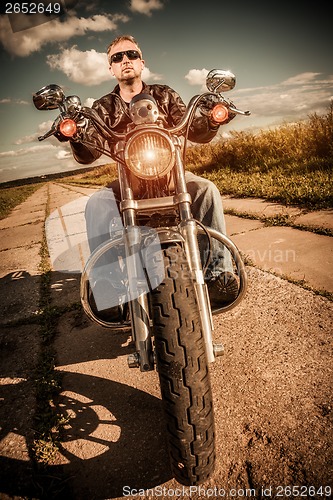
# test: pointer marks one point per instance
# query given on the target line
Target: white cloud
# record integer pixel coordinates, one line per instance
(197, 76)
(87, 68)
(89, 102)
(26, 139)
(42, 128)
(9, 100)
(301, 79)
(30, 150)
(24, 43)
(146, 6)
(293, 98)
(149, 76)
(63, 154)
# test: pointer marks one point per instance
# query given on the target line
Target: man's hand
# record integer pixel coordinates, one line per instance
(81, 125)
(206, 106)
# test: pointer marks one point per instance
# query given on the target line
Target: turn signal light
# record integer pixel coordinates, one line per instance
(68, 127)
(219, 113)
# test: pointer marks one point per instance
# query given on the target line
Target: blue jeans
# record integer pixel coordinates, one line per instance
(103, 218)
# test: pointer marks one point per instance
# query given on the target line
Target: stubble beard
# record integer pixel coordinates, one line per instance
(129, 79)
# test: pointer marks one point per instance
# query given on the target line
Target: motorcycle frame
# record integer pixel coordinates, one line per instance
(186, 234)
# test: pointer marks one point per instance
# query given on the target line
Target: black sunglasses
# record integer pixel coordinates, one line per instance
(119, 56)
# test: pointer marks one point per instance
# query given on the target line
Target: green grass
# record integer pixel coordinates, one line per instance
(13, 196)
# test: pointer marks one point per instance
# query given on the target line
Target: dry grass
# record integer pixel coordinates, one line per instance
(291, 164)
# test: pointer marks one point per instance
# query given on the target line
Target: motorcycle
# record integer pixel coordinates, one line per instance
(163, 297)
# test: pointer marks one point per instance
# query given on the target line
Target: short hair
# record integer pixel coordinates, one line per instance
(122, 38)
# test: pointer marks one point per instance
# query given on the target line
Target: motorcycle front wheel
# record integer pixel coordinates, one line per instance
(183, 371)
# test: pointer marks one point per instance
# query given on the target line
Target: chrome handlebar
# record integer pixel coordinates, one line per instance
(92, 115)
(178, 129)
(53, 128)
(239, 111)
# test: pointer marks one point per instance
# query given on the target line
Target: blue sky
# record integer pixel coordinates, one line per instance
(280, 53)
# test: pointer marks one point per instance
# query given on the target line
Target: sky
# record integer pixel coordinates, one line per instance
(280, 53)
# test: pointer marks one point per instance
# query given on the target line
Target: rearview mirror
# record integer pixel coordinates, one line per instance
(219, 80)
(48, 97)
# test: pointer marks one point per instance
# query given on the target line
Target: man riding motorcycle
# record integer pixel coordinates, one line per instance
(126, 65)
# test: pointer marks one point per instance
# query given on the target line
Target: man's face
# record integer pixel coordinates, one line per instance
(126, 69)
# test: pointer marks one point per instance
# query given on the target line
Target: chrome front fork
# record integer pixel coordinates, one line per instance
(189, 232)
(138, 303)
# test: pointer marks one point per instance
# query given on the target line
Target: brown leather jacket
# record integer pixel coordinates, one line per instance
(114, 111)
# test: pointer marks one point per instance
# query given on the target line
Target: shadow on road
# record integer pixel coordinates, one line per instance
(113, 440)
(115, 433)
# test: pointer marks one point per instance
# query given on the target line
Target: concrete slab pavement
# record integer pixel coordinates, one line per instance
(316, 219)
(300, 255)
(258, 207)
(20, 242)
(29, 212)
(236, 225)
(67, 241)
(287, 252)
(21, 236)
(264, 209)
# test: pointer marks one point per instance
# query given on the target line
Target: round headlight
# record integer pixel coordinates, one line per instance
(150, 154)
